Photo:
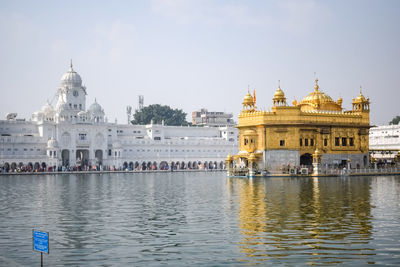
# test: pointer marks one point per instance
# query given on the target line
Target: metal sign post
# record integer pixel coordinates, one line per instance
(40, 243)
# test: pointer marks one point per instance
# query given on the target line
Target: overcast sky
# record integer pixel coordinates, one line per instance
(194, 54)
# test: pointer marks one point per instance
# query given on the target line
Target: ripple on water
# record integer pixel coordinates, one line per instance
(200, 219)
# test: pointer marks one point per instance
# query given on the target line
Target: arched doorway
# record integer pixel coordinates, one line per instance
(143, 165)
(137, 165)
(365, 161)
(131, 166)
(210, 165)
(125, 165)
(99, 157)
(13, 166)
(82, 157)
(65, 157)
(154, 166)
(306, 159)
(164, 165)
(6, 166)
(36, 166)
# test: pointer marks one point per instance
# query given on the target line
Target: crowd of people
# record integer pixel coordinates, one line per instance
(30, 168)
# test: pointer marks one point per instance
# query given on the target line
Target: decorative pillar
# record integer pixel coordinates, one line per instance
(229, 166)
(250, 163)
(348, 164)
(317, 156)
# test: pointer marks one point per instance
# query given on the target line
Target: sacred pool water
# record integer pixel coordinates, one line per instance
(185, 219)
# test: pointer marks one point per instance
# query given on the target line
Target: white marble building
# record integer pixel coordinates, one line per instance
(71, 135)
(384, 142)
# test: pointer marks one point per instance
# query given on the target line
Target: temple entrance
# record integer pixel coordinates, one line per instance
(82, 157)
(65, 157)
(99, 157)
(306, 159)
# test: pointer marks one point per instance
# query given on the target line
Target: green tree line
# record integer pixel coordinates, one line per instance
(395, 120)
(159, 113)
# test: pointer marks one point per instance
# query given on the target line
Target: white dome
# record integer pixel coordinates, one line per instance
(95, 108)
(52, 142)
(71, 78)
(47, 109)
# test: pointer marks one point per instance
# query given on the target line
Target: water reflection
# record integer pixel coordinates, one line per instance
(317, 219)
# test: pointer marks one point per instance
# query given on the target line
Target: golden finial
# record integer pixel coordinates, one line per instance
(316, 84)
(360, 90)
(279, 84)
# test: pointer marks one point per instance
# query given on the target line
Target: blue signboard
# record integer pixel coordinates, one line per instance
(40, 241)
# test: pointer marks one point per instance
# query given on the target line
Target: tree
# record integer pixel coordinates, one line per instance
(158, 113)
(395, 120)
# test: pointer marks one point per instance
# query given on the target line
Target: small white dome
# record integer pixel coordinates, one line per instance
(71, 78)
(47, 109)
(95, 108)
(52, 143)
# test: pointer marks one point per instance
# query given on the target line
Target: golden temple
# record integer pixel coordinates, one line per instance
(290, 136)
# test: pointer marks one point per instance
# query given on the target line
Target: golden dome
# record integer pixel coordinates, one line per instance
(248, 99)
(318, 100)
(317, 97)
(360, 98)
(279, 93)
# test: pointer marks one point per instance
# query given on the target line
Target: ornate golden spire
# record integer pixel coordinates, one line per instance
(316, 84)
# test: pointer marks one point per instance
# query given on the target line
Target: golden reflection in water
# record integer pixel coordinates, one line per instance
(318, 219)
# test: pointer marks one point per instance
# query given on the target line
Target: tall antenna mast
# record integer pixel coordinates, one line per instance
(129, 113)
(141, 102)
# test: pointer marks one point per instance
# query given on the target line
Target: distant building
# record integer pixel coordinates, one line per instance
(203, 117)
(384, 142)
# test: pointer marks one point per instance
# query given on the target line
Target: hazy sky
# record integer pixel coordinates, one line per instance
(194, 54)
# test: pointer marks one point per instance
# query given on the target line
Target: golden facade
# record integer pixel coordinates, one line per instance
(288, 135)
